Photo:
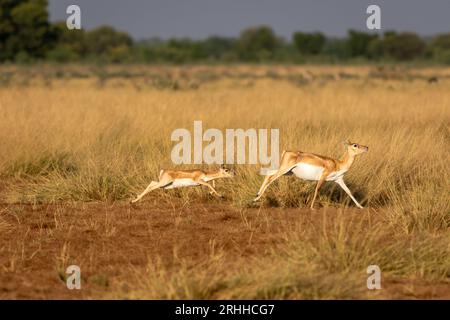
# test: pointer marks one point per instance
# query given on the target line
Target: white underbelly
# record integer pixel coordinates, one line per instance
(178, 183)
(307, 171)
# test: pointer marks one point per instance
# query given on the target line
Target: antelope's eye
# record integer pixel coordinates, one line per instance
(355, 145)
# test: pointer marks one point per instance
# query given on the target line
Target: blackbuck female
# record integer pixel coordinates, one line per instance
(309, 166)
(170, 179)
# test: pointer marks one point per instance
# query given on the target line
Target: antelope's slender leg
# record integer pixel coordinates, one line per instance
(319, 184)
(266, 180)
(271, 179)
(342, 184)
(152, 186)
(210, 187)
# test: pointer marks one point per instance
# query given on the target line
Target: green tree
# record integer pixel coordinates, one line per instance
(358, 43)
(403, 46)
(108, 44)
(440, 48)
(441, 42)
(336, 49)
(24, 29)
(185, 50)
(376, 49)
(217, 48)
(309, 43)
(257, 43)
(70, 44)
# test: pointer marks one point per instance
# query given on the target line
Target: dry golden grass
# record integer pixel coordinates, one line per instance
(105, 138)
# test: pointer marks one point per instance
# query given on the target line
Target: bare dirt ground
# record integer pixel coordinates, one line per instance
(107, 240)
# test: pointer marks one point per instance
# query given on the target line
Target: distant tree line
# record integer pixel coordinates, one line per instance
(26, 35)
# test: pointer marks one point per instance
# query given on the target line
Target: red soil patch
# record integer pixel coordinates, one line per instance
(37, 243)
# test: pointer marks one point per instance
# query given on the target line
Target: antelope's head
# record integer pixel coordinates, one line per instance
(225, 172)
(355, 148)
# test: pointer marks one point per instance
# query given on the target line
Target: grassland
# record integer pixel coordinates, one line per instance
(79, 142)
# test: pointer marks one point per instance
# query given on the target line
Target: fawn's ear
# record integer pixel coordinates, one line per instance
(346, 142)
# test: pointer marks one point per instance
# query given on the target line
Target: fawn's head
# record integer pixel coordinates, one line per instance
(225, 172)
(355, 148)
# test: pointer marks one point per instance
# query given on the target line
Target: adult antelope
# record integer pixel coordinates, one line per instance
(309, 166)
(170, 179)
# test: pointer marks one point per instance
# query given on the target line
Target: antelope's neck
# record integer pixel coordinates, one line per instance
(346, 161)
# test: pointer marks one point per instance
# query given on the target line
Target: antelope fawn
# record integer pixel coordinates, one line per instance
(309, 166)
(170, 179)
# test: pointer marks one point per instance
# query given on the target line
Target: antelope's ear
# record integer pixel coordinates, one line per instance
(346, 142)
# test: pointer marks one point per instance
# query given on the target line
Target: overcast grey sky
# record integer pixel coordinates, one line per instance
(202, 18)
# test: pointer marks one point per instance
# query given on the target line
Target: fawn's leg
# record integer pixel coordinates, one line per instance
(210, 187)
(152, 186)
